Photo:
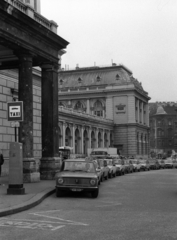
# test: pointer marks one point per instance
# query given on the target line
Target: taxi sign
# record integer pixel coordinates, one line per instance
(15, 111)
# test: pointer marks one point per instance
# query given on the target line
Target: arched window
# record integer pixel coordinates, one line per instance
(61, 104)
(98, 109)
(79, 107)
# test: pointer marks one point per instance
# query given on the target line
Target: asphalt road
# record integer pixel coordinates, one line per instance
(137, 206)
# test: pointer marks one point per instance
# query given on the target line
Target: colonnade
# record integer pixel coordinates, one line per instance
(82, 137)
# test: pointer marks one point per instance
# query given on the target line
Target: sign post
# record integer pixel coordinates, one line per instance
(15, 115)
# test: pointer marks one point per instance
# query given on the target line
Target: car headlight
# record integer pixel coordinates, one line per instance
(93, 182)
(60, 180)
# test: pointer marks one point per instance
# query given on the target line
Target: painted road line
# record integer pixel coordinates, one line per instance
(43, 214)
(27, 224)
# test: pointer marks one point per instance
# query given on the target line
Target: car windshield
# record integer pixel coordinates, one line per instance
(99, 153)
(142, 161)
(117, 161)
(79, 166)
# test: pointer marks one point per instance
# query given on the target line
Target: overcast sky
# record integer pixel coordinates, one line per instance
(140, 34)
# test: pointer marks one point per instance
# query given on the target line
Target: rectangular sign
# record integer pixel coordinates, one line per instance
(15, 111)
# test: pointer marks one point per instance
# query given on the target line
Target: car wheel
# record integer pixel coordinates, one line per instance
(58, 193)
(95, 193)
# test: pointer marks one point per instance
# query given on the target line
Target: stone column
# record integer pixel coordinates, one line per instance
(88, 106)
(89, 137)
(82, 140)
(50, 162)
(30, 165)
(103, 132)
(64, 128)
(142, 112)
(73, 139)
(108, 137)
(138, 111)
(96, 137)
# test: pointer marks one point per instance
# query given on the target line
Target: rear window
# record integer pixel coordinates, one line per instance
(99, 153)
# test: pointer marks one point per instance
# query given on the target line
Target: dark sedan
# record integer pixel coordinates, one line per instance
(77, 175)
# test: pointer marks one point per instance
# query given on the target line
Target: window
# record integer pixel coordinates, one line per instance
(117, 77)
(98, 78)
(79, 107)
(79, 80)
(61, 81)
(98, 109)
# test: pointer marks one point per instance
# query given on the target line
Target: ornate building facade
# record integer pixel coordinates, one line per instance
(163, 128)
(113, 98)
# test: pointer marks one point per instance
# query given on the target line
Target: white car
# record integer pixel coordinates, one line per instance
(136, 165)
(112, 168)
(120, 168)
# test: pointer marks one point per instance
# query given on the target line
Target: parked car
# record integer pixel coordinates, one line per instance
(144, 164)
(157, 164)
(129, 168)
(99, 171)
(104, 168)
(168, 163)
(175, 163)
(120, 168)
(152, 164)
(136, 165)
(161, 163)
(77, 175)
(112, 168)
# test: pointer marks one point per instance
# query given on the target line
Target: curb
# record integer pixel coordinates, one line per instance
(37, 199)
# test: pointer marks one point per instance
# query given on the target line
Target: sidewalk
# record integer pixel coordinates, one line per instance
(35, 193)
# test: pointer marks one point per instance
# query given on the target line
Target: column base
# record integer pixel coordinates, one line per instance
(49, 167)
(17, 189)
(31, 172)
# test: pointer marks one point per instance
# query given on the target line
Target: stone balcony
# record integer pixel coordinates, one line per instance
(83, 114)
(28, 10)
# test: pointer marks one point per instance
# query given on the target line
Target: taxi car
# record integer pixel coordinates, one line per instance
(77, 175)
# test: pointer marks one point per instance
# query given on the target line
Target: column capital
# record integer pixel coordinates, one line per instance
(49, 66)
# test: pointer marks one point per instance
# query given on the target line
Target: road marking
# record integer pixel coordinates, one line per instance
(29, 224)
(43, 214)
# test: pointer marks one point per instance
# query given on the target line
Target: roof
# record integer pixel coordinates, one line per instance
(111, 75)
(158, 108)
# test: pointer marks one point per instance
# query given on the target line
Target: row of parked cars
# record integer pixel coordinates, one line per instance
(111, 167)
(86, 174)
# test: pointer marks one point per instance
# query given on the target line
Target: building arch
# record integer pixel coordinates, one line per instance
(99, 108)
(77, 141)
(85, 141)
(93, 140)
(68, 137)
(99, 139)
(79, 106)
(105, 140)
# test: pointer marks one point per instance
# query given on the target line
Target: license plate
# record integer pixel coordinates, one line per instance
(76, 189)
